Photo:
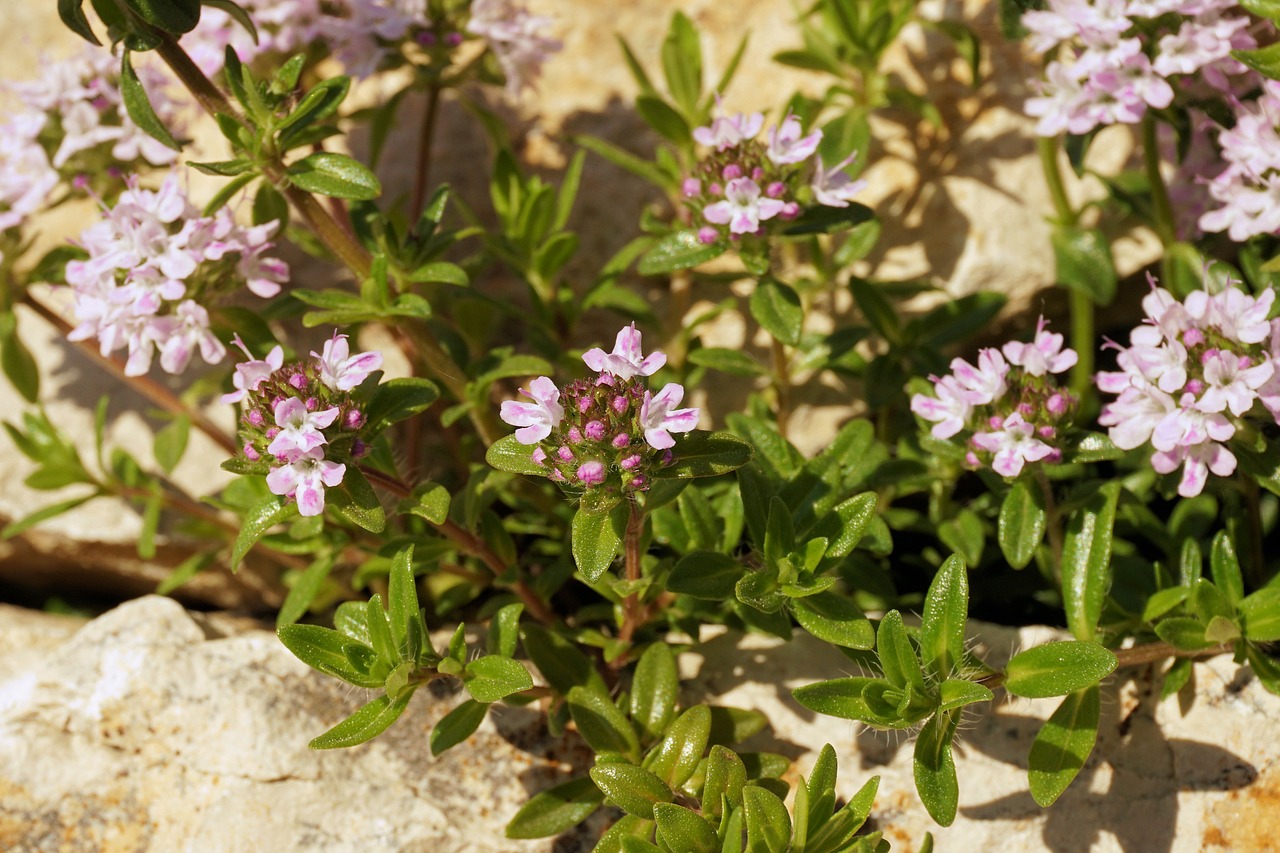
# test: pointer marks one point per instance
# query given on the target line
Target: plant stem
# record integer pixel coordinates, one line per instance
(425, 137)
(632, 613)
(473, 545)
(1161, 208)
(145, 385)
(1134, 656)
(1052, 524)
(781, 384)
(1082, 306)
(1257, 560)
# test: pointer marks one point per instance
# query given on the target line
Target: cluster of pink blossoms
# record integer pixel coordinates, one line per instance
(1245, 193)
(744, 181)
(301, 417)
(367, 35)
(610, 431)
(1126, 56)
(154, 263)
(26, 178)
(1190, 376)
(1009, 404)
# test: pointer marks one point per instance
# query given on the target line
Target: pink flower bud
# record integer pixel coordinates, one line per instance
(453, 39)
(1046, 432)
(1245, 362)
(255, 417)
(1208, 354)
(298, 381)
(565, 454)
(621, 440)
(605, 379)
(595, 430)
(312, 404)
(575, 435)
(1193, 337)
(584, 405)
(971, 459)
(757, 173)
(555, 476)
(273, 432)
(707, 235)
(358, 449)
(1026, 410)
(1054, 457)
(591, 473)
(1194, 386)
(620, 404)
(426, 39)
(638, 482)
(691, 187)
(539, 456)
(251, 453)
(775, 189)
(790, 211)
(354, 419)
(715, 188)
(731, 172)
(630, 462)
(1056, 405)
(668, 457)
(995, 422)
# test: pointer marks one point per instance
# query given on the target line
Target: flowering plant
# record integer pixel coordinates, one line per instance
(598, 508)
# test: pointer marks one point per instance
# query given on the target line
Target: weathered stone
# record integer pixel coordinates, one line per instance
(150, 727)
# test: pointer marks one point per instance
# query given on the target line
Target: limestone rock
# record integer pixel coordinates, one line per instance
(154, 729)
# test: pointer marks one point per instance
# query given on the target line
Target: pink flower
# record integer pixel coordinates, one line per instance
(179, 334)
(516, 38)
(726, 132)
(948, 409)
(341, 371)
(1232, 382)
(304, 478)
(985, 383)
(536, 419)
(787, 146)
(743, 209)
(1043, 355)
(1196, 463)
(659, 416)
(626, 360)
(300, 430)
(833, 187)
(1013, 446)
(251, 374)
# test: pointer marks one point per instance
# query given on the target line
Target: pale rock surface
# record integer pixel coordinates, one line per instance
(155, 729)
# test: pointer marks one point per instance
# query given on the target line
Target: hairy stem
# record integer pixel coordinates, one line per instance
(1052, 523)
(145, 385)
(781, 384)
(632, 613)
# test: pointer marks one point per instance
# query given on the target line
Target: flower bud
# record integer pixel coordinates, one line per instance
(621, 440)
(251, 453)
(565, 454)
(298, 380)
(620, 404)
(630, 462)
(691, 187)
(731, 172)
(775, 189)
(539, 456)
(594, 430)
(591, 473)
(707, 235)
(575, 435)
(255, 417)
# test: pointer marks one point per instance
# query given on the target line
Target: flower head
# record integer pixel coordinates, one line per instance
(626, 360)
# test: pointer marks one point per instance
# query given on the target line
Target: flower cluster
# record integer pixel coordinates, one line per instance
(608, 431)
(1245, 192)
(744, 181)
(1123, 55)
(284, 27)
(153, 265)
(26, 177)
(1010, 404)
(301, 417)
(83, 123)
(517, 39)
(1191, 375)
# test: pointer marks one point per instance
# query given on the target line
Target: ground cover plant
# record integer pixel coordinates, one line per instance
(579, 506)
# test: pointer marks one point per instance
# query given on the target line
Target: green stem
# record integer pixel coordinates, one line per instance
(1047, 147)
(425, 138)
(632, 612)
(1052, 524)
(1161, 208)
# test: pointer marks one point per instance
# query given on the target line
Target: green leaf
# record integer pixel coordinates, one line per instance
(1183, 633)
(22, 525)
(732, 361)
(1063, 745)
(1260, 613)
(556, 810)
(877, 309)
(665, 120)
(1022, 522)
(1225, 568)
(561, 664)
(171, 442)
(357, 502)
(1269, 9)
(768, 824)
(1264, 60)
(676, 758)
(1083, 260)
(776, 307)
(493, 677)
(838, 832)
(1056, 669)
(364, 725)
(934, 768)
(821, 219)
(508, 454)
(602, 725)
(734, 725)
(726, 776)
(336, 175)
(679, 250)
(834, 619)
(630, 788)
(946, 609)
(16, 361)
(138, 105)
(430, 501)
(655, 689)
(402, 604)
(684, 829)
(504, 630)
(290, 70)
(705, 574)
(320, 102)
(594, 542)
(898, 659)
(706, 454)
(458, 725)
(304, 590)
(324, 649)
(957, 692)
(72, 14)
(1086, 560)
(682, 63)
(838, 697)
(398, 399)
(266, 515)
